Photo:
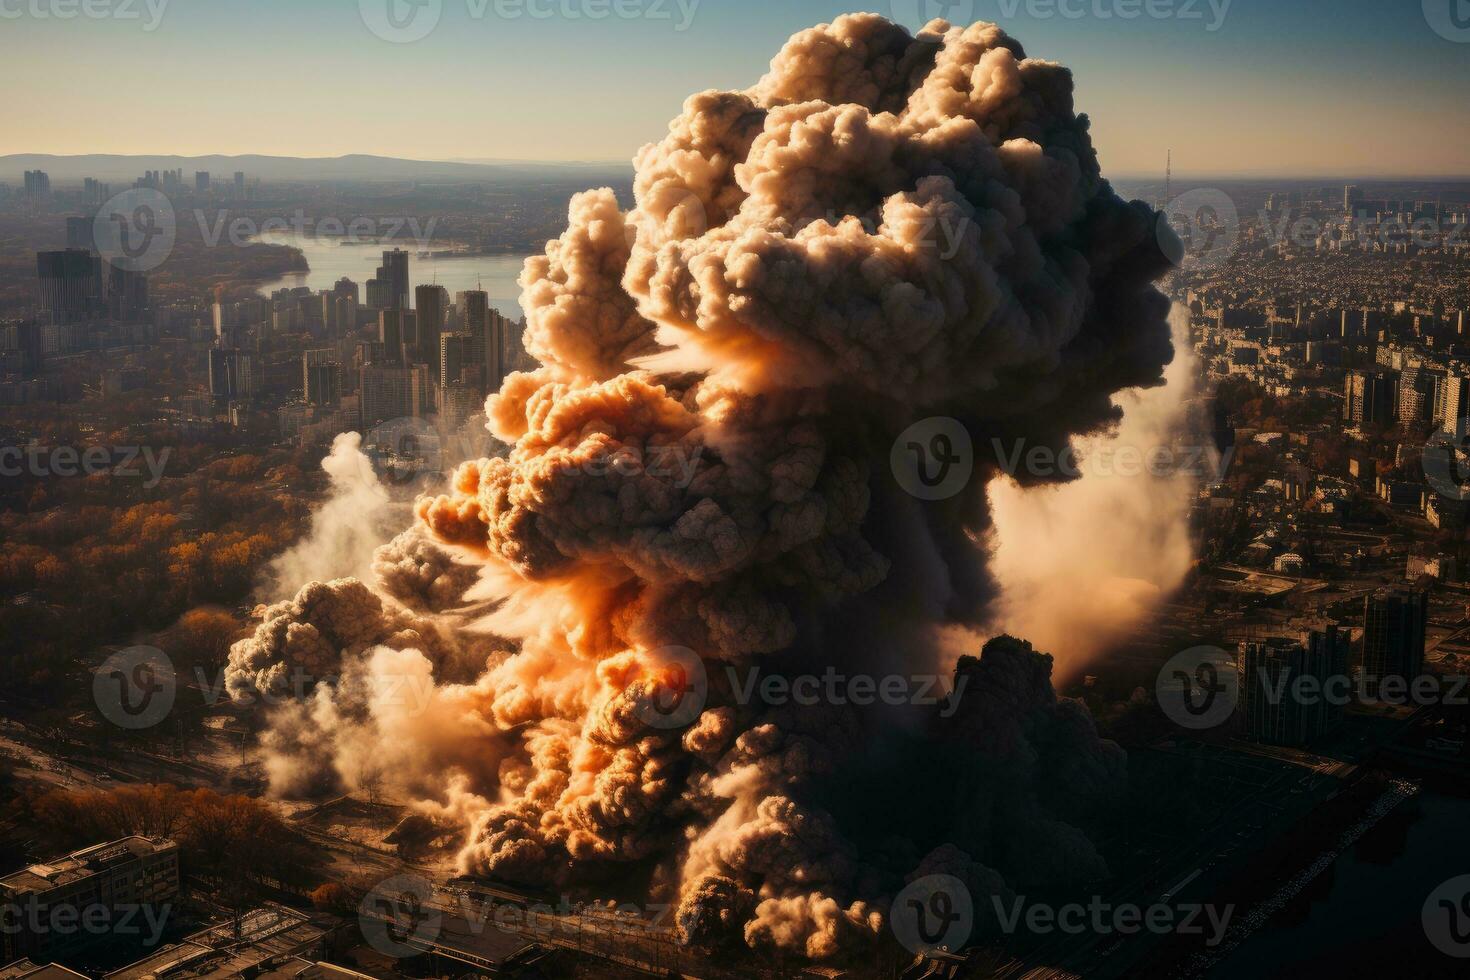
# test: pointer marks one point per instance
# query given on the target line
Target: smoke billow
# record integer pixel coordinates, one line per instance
(1130, 506)
(358, 516)
(886, 227)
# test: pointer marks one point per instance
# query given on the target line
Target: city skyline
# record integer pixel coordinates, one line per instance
(1234, 88)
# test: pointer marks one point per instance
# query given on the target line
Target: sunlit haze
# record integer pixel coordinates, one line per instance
(1319, 87)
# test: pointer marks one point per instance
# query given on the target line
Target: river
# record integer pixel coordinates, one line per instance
(330, 259)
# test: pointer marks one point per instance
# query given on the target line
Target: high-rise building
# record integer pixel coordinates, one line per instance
(487, 330)
(456, 351)
(392, 391)
(1416, 395)
(1351, 198)
(345, 291)
(394, 272)
(201, 181)
(239, 185)
(1393, 637)
(71, 284)
(231, 375)
(1453, 404)
(328, 301)
(398, 333)
(321, 377)
(430, 303)
(37, 183)
(457, 403)
(127, 294)
(1369, 397)
(378, 294)
(79, 232)
(95, 191)
(1291, 692)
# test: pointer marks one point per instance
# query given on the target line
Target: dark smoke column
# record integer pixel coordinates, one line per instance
(885, 228)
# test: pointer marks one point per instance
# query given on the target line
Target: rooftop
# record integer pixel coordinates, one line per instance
(271, 933)
(80, 864)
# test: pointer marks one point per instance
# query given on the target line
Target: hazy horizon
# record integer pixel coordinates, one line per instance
(1317, 89)
(1179, 174)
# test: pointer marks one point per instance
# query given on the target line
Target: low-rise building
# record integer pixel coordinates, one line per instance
(66, 903)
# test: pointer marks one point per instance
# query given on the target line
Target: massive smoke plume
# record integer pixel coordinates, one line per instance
(885, 228)
(1130, 506)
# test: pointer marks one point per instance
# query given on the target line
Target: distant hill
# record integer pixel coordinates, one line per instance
(114, 167)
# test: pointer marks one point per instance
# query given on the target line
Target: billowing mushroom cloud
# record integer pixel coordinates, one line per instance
(698, 493)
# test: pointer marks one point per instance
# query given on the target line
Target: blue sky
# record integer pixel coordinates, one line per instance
(1306, 87)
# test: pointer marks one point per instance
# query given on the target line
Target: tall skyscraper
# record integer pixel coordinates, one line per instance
(71, 284)
(345, 293)
(392, 391)
(430, 303)
(231, 375)
(37, 183)
(487, 329)
(127, 294)
(1393, 636)
(456, 351)
(1274, 709)
(1369, 397)
(79, 232)
(328, 301)
(239, 185)
(394, 272)
(201, 181)
(1454, 404)
(321, 377)
(1351, 198)
(378, 293)
(396, 331)
(1416, 395)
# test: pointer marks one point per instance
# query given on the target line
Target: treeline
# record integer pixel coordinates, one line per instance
(223, 839)
(93, 570)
